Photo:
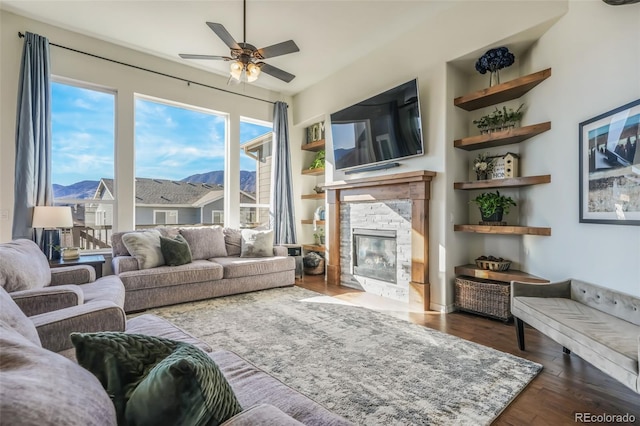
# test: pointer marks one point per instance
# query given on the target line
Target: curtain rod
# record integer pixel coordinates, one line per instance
(189, 82)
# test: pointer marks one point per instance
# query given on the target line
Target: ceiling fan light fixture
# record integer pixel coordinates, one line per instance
(253, 71)
(236, 68)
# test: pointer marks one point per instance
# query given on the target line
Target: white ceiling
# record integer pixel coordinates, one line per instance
(330, 33)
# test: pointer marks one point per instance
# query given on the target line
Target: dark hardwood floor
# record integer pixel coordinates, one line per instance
(567, 385)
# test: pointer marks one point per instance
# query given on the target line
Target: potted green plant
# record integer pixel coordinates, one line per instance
(493, 205)
(483, 166)
(318, 161)
(319, 236)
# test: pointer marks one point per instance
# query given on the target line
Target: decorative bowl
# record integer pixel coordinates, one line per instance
(493, 264)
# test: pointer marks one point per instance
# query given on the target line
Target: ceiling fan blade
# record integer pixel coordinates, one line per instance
(276, 72)
(279, 49)
(190, 56)
(224, 35)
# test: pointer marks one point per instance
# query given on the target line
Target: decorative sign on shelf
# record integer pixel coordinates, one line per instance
(495, 167)
(315, 132)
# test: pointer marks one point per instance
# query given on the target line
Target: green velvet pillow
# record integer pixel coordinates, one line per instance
(175, 251)
(156, 381)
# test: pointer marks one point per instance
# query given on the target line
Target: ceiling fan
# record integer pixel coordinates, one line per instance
(247, 60)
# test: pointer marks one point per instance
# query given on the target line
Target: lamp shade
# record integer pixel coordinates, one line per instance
(52, 217)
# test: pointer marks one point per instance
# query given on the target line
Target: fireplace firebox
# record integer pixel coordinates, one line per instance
(374, 254)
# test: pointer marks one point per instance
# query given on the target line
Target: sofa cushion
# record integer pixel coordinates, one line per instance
(23, 266)
(236, 267)
(108, 288)
(164, 276)
(262, 414)
(155, 380)
(11, 317)
(39, 388)
(256, 243)
(175, 250)
(145, 247)
(205, 242)
(233, 241)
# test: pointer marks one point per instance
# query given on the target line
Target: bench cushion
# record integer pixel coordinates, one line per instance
(612, 338)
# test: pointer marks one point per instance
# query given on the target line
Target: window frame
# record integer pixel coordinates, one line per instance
(57, 79)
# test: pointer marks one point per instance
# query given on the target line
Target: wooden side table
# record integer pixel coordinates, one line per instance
(95, 260)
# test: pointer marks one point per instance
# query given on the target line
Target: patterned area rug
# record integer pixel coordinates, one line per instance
(367, 366)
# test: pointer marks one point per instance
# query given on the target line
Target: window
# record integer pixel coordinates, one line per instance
(82, 160)
(179, 163)
(165, 217)
(255, 172)
(217, 217)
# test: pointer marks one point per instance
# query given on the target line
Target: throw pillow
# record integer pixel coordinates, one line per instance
(145, 247)
(178, 383)
(257, 243)
(175, 251)
(205, 242)
(185, 388)
(233, 241)
(23, 266)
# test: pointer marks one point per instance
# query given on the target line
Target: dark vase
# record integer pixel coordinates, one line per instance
(495, 217)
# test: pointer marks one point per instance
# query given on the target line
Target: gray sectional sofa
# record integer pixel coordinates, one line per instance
(598, 324)
(41, 387)
(217, 269)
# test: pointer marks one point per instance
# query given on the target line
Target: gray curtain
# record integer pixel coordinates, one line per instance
(33, 136)
(282, 212)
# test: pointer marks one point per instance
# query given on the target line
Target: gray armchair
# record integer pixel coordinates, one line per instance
(60, 300)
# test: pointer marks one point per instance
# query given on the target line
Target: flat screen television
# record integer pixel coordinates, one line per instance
(380, 129)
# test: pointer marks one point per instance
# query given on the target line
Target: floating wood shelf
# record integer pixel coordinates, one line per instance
(313, 196)
(506, 137)
(471, 270)
(503, 183)
(504, 230)
(502, 92)
(313, 172)
(310, 222)
(313, 146)
(313, 247)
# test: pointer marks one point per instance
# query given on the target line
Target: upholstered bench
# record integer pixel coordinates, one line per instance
(598, 324)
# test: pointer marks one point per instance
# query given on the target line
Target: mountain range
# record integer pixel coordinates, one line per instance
(87, 188)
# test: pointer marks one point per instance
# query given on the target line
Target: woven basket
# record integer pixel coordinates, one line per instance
(318, 270)
(484, 297)
(493, 265)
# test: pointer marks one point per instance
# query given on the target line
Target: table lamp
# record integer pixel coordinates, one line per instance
(51, 219)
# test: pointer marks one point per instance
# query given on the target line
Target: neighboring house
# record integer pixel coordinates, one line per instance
(163, 201)
(260, 150)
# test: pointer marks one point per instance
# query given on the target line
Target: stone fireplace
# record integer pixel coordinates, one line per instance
(378, 236)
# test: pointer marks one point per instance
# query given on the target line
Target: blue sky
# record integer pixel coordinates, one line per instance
(171, 142)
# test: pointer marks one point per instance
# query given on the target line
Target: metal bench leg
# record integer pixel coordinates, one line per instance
(519, 332)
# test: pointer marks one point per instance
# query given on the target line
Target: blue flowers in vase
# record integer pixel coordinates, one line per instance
(494, 60)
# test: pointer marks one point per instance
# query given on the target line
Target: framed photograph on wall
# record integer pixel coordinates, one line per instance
(610, 167)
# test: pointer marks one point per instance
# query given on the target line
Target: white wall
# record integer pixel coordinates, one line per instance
(126, 81)
(594, 52)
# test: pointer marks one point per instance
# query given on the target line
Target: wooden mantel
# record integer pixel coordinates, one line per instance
(414, 186)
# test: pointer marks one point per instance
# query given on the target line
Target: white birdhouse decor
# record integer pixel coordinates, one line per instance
(505, 166)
